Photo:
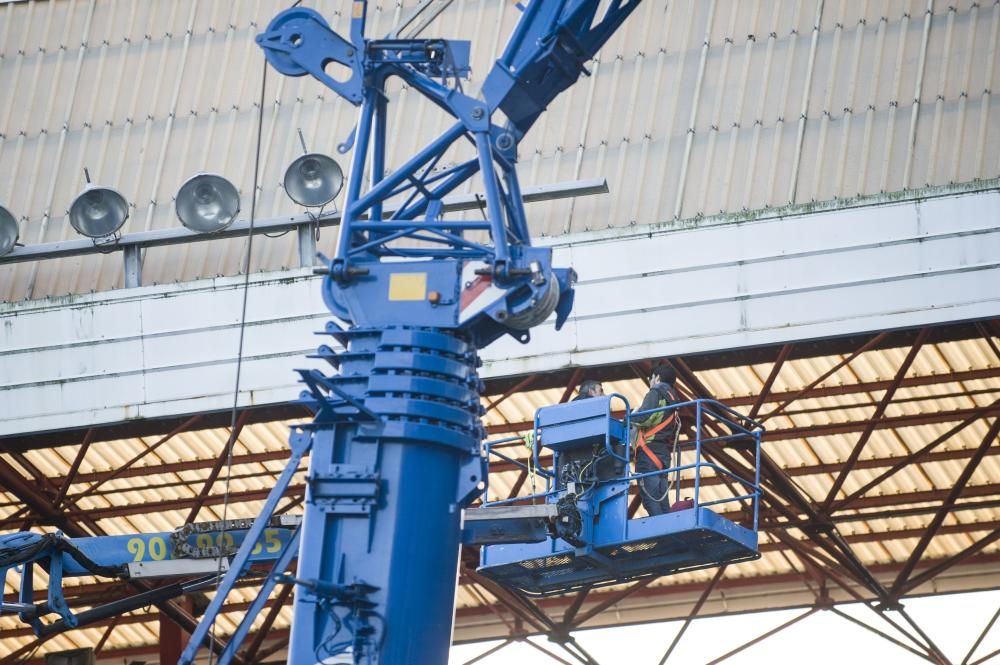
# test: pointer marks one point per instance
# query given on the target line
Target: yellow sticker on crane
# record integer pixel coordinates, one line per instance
(408, 286)
(359, 9)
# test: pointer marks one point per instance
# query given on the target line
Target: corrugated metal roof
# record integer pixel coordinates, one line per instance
(175, 471)
(693, 109)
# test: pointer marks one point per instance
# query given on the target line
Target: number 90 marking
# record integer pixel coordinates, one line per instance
(157, 548)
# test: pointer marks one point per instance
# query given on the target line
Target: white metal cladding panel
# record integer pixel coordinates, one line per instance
(735, 285)
(112, 358)
(168, 350)
(694, 108)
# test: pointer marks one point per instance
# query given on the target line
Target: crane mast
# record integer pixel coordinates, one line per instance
(396, 443)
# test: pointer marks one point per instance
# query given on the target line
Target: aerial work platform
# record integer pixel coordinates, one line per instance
(590, 540)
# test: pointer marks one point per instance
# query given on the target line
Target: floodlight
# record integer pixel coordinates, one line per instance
(313, 180)
(207, 203)
(98, 212)
(8, 231)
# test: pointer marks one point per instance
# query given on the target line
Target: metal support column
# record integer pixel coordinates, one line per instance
(132, 255)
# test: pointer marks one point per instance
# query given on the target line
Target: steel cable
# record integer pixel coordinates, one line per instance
(231, 442)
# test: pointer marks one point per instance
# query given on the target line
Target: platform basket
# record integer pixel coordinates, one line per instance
(662, 545)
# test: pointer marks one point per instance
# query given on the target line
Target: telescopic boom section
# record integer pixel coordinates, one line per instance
(546, 55)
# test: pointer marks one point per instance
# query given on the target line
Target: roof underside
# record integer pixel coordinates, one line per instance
(924, 401)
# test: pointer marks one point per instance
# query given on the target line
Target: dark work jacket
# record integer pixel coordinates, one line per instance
(659, 395)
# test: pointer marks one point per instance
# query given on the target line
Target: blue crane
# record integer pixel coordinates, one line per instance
(396, 448)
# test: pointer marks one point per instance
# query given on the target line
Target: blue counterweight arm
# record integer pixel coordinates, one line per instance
(547, 53)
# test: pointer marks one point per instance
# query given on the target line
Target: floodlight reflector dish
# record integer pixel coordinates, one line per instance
(8, 231)
(313, 180)
(98, 212)
(207, 203)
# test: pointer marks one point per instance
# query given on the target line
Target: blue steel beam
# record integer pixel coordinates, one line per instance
(190, 551)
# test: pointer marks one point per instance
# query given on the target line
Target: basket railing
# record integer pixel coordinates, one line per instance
(715, 426)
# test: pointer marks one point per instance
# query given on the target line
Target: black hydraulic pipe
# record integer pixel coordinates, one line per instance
(116, 608)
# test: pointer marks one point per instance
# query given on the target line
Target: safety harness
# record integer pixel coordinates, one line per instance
(640, 439)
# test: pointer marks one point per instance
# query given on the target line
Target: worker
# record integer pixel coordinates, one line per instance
(589, 388)
(656, 436)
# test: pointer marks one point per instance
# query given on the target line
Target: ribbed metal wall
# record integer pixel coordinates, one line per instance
(696, 108)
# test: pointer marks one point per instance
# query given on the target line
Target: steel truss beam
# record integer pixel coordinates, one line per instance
(814, 561)
(491, 651)
(175, 467)
(183, 427)
(15, 657)
(213, 475)
(730, 585)
(828, 429)
(694, 612)
(132, 652)
(135, 618)
(101, 592)
(16, 484)
(890, 392)
(765, 390)
(251, 652)
(528, 611)
(872, 343)
(105, 635)
(896, 463)
(785, 488)
(945, 509)
(769, 517)
(866, 387)
(551, 606)
(883, 635)
(764, 636)
(979, 640)
(919, 455)
(938, 568)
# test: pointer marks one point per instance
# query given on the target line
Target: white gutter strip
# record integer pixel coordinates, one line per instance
(866, 143)
(46, 122)
(984, 102)
(963, 95)
(915, 109)
(826, 111)
(845, 129)
(932, 153)
(692, 119)
(779, 127)
(803, 112)
(734, 129)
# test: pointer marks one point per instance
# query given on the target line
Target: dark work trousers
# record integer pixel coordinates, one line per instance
(653, 488)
